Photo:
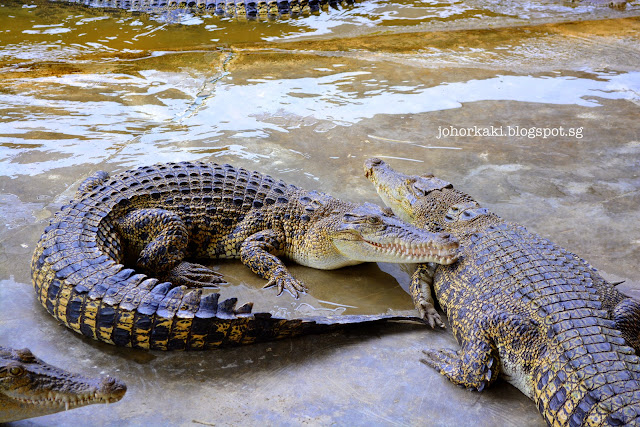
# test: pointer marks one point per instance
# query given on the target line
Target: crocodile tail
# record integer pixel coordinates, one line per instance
(136, 311)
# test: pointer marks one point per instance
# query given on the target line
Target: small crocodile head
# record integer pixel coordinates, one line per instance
(423, 200)
(30, 387)
(368, 233)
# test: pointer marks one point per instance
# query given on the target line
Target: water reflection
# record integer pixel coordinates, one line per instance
(41, 29)
(346, 98)
(126, 115)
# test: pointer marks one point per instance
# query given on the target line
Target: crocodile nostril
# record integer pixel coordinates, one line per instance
(375, 162)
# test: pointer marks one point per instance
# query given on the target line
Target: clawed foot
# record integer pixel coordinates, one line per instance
(428, 312)
(194, 275)
(455, 366)
(285, 281)
(439, 359)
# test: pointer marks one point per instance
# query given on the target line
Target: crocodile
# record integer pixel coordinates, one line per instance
(522, 307)
(30, 387)
(239, 9)
(246, 10)
(155, 217)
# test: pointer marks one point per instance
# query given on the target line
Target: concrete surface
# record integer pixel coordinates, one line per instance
(310, 111)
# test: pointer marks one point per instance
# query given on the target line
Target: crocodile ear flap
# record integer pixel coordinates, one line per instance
(427, 185)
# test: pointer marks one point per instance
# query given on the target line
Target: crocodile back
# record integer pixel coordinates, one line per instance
(81, 244)
(567, 354)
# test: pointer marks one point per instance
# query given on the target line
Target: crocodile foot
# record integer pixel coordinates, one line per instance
(451, 363)
(428, 312)
(285, 281)
(194, 275)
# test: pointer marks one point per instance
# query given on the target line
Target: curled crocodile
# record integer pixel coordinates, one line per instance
(521, 307)
(156, 216)
(241, 9)
(30, 387)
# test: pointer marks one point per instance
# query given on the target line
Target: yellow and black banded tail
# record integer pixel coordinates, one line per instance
(135, 311)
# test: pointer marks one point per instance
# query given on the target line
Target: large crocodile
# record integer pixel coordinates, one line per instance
(522, 307)
(157, 216)
(30, 387)
(241, 9)
(246, 9)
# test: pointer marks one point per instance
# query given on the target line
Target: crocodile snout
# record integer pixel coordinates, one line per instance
(369, 164)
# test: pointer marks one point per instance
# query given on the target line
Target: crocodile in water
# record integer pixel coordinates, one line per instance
(154, 217)
(30, 387)
(522, 307)
(241, 9)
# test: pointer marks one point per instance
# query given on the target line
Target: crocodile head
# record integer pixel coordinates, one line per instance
(30, 387)
(368, 233)
(424, 200)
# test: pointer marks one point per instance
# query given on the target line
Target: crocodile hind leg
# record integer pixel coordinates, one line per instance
(627, 317)
(159, 239)
(478, 364)
(623, 310)
(260, 253)
(421, 293)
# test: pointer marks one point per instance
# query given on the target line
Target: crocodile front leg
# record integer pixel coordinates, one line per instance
(260, 253)
(422, 294)
(162, 239)
(478, 364)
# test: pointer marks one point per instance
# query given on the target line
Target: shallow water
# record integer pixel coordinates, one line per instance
(308, 100)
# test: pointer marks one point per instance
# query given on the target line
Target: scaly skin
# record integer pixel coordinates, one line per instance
(241, 9)
(155, 217)
(522, 307)
(30, 387)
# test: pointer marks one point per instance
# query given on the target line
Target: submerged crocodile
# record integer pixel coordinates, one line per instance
(30, 387)
(157, 216)
(241, 9)
(521, 307)
(249, 9)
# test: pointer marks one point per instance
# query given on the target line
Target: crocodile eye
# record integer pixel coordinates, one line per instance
(16, 371)
(373, 220)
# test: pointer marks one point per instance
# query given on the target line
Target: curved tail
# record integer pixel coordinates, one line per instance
(139, 312)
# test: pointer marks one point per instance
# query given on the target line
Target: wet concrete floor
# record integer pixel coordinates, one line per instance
(309, 106)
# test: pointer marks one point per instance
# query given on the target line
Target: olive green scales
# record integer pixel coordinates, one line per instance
(522, 307)
(154, 217)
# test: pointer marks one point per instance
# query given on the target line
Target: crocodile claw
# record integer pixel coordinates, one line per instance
(194, 275)
(288, 283)
(428, 312)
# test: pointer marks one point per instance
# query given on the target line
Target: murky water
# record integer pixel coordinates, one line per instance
(308, 99)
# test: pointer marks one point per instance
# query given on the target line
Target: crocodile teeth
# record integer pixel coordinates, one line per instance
(414, 251)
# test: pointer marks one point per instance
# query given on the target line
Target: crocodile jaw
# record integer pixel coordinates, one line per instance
(27, 406)
(398, 251)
